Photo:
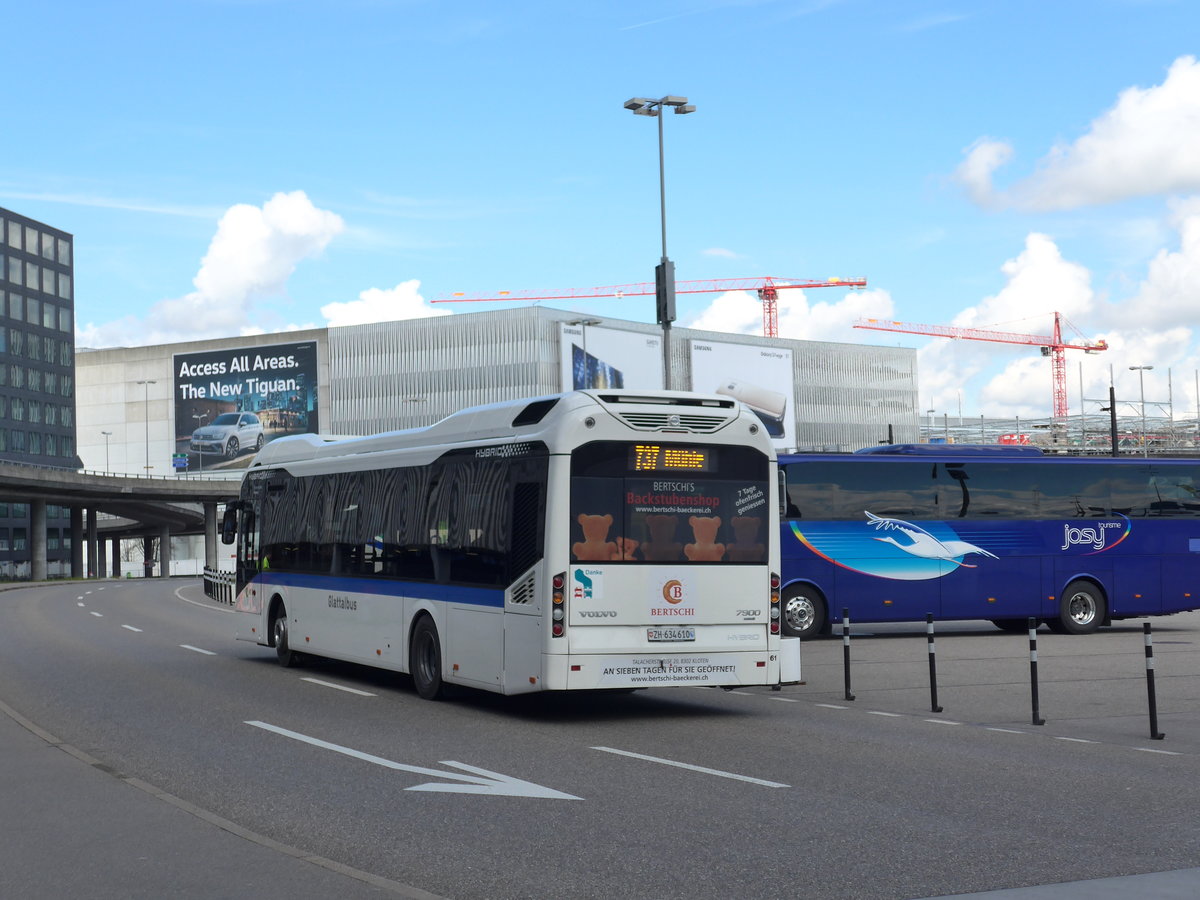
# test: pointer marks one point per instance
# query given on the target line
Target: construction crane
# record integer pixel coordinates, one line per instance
(1052, 345)
(766, 287)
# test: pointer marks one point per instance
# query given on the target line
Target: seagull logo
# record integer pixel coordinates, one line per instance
(923, 544)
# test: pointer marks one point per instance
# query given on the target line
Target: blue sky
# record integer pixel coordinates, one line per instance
(239, 166)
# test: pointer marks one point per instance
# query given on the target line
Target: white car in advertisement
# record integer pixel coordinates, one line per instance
(229, 434)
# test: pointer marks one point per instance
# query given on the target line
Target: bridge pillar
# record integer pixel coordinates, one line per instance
(164, 553)
(116, 557)
(76, 542)
(37, 540)
(148, 555)
(210, 535)
(93, 560)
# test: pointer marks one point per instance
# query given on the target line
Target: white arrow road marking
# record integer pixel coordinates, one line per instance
(482, 782)
(689, 766)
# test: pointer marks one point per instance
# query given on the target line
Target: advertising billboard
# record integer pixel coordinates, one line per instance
(228, 403)
(605, 358)
(761, 377)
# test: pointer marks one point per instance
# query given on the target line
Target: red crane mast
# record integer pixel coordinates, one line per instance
(1052, 345)
(767, 288)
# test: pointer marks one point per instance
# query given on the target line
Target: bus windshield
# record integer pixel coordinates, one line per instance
(665, 503)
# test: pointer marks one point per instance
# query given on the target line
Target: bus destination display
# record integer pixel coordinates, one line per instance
(657, 458)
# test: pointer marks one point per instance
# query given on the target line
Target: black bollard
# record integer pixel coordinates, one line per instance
(846, 649)
(1155, 734)
(1033, 683)
(933, 704)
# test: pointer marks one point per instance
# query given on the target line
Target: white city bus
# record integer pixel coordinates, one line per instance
(589, 540)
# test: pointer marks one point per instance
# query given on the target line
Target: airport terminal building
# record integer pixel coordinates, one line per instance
(206, 405)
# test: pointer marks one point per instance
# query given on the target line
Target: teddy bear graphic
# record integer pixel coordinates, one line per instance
(662, 546)
(595, 546)
(746, 547)
(705, 530)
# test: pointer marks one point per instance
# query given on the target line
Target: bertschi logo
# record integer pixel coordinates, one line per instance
(673, 592)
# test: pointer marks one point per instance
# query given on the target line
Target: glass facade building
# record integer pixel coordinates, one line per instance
(37, 371)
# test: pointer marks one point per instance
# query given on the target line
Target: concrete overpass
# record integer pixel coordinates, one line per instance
(145, 507)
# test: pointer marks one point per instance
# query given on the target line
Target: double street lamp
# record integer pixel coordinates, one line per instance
(107, 435)
(1142, 370)
(200, 417)
(664, 272)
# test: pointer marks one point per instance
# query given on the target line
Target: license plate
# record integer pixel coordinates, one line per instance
(670, 634)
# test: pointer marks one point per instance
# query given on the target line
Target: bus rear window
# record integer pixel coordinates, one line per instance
(664, 503)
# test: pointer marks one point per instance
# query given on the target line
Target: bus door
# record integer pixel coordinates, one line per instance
(994, 559)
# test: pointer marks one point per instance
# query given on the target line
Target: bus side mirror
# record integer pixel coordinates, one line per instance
(229, 523)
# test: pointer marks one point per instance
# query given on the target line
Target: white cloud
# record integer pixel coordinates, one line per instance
(1142, 146)
(404, 301)
(739, 312)
(722, 252)
(975, 172)
(253, 253)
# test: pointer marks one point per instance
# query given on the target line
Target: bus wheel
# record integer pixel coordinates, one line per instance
(1081, 609)
(804, 614)
(279, 630)
(426, 660)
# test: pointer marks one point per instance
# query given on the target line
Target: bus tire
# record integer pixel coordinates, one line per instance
(425, 660)
(279, 632)
(804, 613)
(1081, 609)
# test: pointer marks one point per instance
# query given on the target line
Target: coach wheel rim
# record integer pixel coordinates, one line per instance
(803, 613)
(1082, 608)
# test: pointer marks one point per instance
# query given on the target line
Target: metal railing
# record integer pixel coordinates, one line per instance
(218, 585)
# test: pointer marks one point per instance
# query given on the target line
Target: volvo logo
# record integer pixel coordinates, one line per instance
(673, 420)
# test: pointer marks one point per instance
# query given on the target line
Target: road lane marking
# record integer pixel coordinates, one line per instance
(96, 614)
(692, 768)
(338, 687)
(1007, 730)
(482, 782)
(875, 712)
(1163, 752)
(197, 650)
(832, 706)
(80, 605)
(942, 722)
(1074, 740)
(131, 628)
(783, 699)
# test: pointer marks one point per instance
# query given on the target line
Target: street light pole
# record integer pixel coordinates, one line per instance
(147, 383)
(107, 435)
(664, 272)
(1141, 370)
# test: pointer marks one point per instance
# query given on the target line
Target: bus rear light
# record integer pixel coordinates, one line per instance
(774, 626)
(559, 613)
(774, 582)
(774, 610)
(761, 664)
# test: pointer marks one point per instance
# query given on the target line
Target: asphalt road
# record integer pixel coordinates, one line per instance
(334, 779)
